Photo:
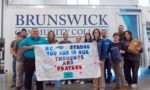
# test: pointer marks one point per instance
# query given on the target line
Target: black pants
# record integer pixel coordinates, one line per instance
(29, 66)
(107, 71)
(131, 71)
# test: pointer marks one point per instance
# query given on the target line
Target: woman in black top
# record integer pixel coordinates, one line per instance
(131, 61)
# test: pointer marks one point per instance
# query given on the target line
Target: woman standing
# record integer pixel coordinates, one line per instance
(131, 61)
(51, 37)
(51, 40)
(88, 37)
(99, 84)
(79, 40)
(65, 41)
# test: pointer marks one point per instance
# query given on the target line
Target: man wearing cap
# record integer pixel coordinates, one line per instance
(20, 62)
(13, 50)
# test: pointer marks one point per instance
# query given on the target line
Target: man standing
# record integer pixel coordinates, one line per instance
(26, 46)
(13, 50)
(106, 43)
(65, 38)
(121, 32)
(20, 62)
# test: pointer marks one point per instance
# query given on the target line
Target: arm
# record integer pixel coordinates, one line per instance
(23, 46)
(13, 52)
(12, 48)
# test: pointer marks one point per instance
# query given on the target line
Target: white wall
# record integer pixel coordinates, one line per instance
(145, 19)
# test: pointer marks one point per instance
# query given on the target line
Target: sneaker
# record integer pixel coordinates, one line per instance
(63, 82)
(69, 82)
(82, 82)
(134, 86)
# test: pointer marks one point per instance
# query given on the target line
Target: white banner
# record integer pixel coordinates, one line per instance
(67, 61)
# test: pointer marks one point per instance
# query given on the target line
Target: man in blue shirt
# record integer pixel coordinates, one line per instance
(106, 43)
(27, 47)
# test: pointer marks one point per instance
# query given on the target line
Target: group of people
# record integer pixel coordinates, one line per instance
(113, 54)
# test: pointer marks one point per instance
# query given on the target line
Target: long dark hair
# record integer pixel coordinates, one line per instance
(130, 33)
(94, 38)
(53, 40)
(85, 40)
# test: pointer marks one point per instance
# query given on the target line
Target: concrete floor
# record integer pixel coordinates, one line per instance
(144, 84)
(3, 82)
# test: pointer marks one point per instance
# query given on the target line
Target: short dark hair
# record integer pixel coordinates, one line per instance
(116, 34)
(23, 29)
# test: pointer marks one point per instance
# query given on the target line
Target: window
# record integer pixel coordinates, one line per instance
(83, 2)
(71, 2)
(94, 2)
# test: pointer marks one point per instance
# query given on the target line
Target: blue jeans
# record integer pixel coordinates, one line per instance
(14, 71)
(107, 71)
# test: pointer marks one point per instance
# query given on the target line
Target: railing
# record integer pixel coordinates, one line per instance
(1, 61)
